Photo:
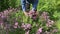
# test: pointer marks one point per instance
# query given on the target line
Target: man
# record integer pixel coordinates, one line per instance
(26, 6)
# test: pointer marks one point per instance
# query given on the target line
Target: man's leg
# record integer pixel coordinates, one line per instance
(33, 12)
(23, 3)
(34, 8)
(35, 5)
(27, 7)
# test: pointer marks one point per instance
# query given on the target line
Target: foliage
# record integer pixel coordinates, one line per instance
(52, 7)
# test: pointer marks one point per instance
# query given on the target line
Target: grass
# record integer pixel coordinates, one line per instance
(50, 6)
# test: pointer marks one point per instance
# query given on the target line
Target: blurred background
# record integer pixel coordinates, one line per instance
(11, 13)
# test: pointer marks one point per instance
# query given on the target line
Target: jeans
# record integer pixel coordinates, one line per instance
(26, 4)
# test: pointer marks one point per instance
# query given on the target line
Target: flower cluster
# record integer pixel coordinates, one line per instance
(26, 26)
(39, 31)
(49, 23)
(33, 14)
(44, 16)
(4, 17)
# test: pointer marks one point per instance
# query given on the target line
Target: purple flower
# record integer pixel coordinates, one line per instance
(0, 15)
(1, 24)
(39, 31)
(23, 25)
(55, 30)
(27, 32)
(10, 10)
(45, 15)
(34, 17)
(49, 23)
(33, 14)
(16, 25)
(6, 12)
(26, 26)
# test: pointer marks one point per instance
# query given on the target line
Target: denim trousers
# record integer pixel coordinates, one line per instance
(26, 4)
